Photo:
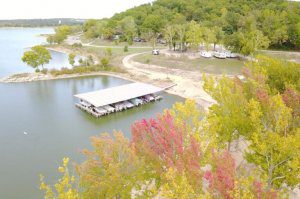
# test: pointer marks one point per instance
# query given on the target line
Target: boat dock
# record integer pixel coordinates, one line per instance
(119, 98)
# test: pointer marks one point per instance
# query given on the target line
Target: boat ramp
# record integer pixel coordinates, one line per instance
(116, 99)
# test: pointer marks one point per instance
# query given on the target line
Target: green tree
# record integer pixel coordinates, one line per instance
(247, 42)
(194, 35)
(72, 58)
(104, 62)
(37, 56)
(209, 37)
(61, 33)
(218, 36)
(170, 34)
(128, 28)
(181, 31)
(152, 26)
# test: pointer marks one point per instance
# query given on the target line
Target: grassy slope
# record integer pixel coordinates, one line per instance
(212, 66)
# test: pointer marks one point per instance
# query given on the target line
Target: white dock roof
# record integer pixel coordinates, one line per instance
(118, 94)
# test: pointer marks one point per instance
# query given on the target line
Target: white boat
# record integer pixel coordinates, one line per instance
(101, 111)
(149, 98)
(84, 103)
(136, 101)
(158, 98)
(233, 55)
(206, 54)
(128, 104)
(110, 109)
(220, 55)
(120, 106)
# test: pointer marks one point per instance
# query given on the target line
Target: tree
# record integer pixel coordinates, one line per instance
(64, 188)
(218, 36)
(181, 31)
(262, 112)
(170, 34)
(294, 34)
(104, 62)
(273, 147)
(72, 58)
(247, 42)
(128, 28)
(152, 26)
(274, 25)
(164, 158)
(37, 56)
(209, 37)
(194, 35)
(61, 33)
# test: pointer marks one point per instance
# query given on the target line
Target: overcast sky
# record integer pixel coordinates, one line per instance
(29, 9)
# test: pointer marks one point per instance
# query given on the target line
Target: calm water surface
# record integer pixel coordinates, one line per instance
(13, 43)
(55, 127)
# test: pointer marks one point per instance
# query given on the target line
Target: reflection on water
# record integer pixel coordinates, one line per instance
(56, 128)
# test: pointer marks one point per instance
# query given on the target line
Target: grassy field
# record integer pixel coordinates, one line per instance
(285, 55)
(102, 42)
(211, 65)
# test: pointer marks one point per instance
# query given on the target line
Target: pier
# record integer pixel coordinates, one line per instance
(119, 98)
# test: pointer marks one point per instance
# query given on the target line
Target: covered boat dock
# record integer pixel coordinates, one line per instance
(115, 99)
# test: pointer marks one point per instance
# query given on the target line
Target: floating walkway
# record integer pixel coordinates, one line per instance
(116, 99)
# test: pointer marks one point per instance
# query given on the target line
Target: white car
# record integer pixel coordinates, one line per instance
(155, 52)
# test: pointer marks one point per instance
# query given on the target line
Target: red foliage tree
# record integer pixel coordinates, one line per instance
(168, 144)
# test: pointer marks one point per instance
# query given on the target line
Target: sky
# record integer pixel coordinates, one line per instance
(85, 9)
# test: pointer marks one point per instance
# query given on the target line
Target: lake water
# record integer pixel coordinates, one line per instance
(55, 127)
(15, 41)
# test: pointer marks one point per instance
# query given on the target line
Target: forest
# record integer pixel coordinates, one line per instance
(241, 25)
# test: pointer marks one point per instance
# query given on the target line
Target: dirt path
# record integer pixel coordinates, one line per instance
(189, 84)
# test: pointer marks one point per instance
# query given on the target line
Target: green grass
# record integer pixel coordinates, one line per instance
(104, 42)
(210, 65)
(285, 55)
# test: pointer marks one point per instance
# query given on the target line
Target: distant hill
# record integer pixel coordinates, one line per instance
(40, 22)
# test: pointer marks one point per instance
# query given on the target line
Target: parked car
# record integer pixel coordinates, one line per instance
(155, 52)
(137, 39)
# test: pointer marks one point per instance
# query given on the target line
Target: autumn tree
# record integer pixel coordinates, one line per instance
(261, 111)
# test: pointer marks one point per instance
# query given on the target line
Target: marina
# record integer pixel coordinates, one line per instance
(116, 99)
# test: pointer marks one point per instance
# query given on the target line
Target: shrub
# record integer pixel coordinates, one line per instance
(104, 62)
(44, 71)
(37, 70)
(126, 48)
(77, 45)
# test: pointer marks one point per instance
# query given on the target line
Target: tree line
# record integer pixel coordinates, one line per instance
(40, 22)
(243, 26)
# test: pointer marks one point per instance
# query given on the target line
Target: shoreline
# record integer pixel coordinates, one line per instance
(189, 88)
(41, 77)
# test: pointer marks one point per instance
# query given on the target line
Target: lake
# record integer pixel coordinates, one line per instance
(55, 127)
(15, 41)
